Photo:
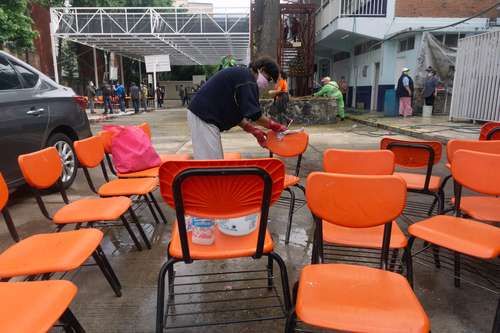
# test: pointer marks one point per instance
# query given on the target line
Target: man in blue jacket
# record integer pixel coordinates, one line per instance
(120, 92)
(231, 98)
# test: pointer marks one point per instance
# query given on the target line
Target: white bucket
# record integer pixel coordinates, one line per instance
(427, 111)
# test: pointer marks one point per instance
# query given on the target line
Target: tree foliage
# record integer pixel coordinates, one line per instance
(16, 30)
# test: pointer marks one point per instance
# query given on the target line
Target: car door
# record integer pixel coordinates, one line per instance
(23, 116)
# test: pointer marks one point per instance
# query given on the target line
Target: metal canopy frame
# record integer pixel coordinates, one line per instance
(189, 37)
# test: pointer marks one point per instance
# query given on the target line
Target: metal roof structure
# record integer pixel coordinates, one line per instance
(189, 37)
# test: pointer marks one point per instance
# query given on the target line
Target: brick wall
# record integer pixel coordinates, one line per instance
(443, 8)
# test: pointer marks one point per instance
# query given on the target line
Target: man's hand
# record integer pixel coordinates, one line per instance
(259, 134)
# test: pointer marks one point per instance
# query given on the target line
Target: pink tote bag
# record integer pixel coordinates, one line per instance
(132, 149)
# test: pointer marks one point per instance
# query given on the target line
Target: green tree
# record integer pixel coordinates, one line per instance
(16, 30)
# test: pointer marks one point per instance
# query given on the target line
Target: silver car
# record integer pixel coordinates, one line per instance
(36, 112)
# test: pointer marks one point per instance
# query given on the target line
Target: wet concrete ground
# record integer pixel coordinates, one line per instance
(468, 309)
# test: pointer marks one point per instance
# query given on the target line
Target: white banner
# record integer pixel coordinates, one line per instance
(157, 63)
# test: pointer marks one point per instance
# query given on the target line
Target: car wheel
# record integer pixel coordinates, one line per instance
(64, 146)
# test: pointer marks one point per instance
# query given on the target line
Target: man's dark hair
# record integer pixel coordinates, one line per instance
(267, 64)
(283, 75)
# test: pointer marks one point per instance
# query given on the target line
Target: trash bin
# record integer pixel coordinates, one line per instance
(391, 103)
(427, 111)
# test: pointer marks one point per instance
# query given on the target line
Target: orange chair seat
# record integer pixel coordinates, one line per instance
(92, 210)
(415, 181)
(358, 299)
(152, 172)
(362, 237)
(481, 208)
(33, 307)
(224, 246)
(232, 156)
(128, 186)
(174, 157)
(48, 253)
(461, 235)
(291, 180)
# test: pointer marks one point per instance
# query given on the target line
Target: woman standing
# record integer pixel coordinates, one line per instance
(280, 95)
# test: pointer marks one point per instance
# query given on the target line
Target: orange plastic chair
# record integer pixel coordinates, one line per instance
(34, 307)
(90, 153)
(164, 157)
(478, 209)
(490, 131)
(43, 169)
(418, 155)
(356, 298)
(357, 162)
(290, 146)
(44, 254)
(476, 171)
(220, 189)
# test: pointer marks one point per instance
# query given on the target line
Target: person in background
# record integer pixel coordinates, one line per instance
(120, 92)
(344, 88)
(160, 95)
(182, 95)
(280, 95)
(90, 96)
(295, 28)
(286, 31)
(331, 89)
(135, 95)
(404, 91)
(231, 98)
(107, 91)
(430, 86)
(144, 97)
(187, 94)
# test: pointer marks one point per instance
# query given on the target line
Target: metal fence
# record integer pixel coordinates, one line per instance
(363, 8)
(476, 88)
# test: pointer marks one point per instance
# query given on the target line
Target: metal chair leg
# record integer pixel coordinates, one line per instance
(160, 303)
(284, 279)
(158, 209)
(131, 233)
(496, 321)
(269, 273)
(457, 269)
(290, 215)
(302, 188)
(394, 257)
(139, 227)
(435, 254)
(151, 209)
(109, 277)
(291, 322)
(108, 265)
(409, 260)
(70, 323)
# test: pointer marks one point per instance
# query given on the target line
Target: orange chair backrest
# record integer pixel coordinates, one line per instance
(359, 162)
(145, 127)
(290, 146)
(355, 201)
(477, 171)
(106, 139)
(492, 147)
(221, 197)
(487, 128)
(90, 151)
(41, 169)
(4, 192)
(412, 157)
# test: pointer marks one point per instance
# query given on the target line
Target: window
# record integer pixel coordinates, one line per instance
(366, 47)
(8, 76)
(407, 44)
(341, 56)
(450, 39)
(30, 78)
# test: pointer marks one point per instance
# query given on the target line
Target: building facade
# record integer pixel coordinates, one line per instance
(370, 41)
